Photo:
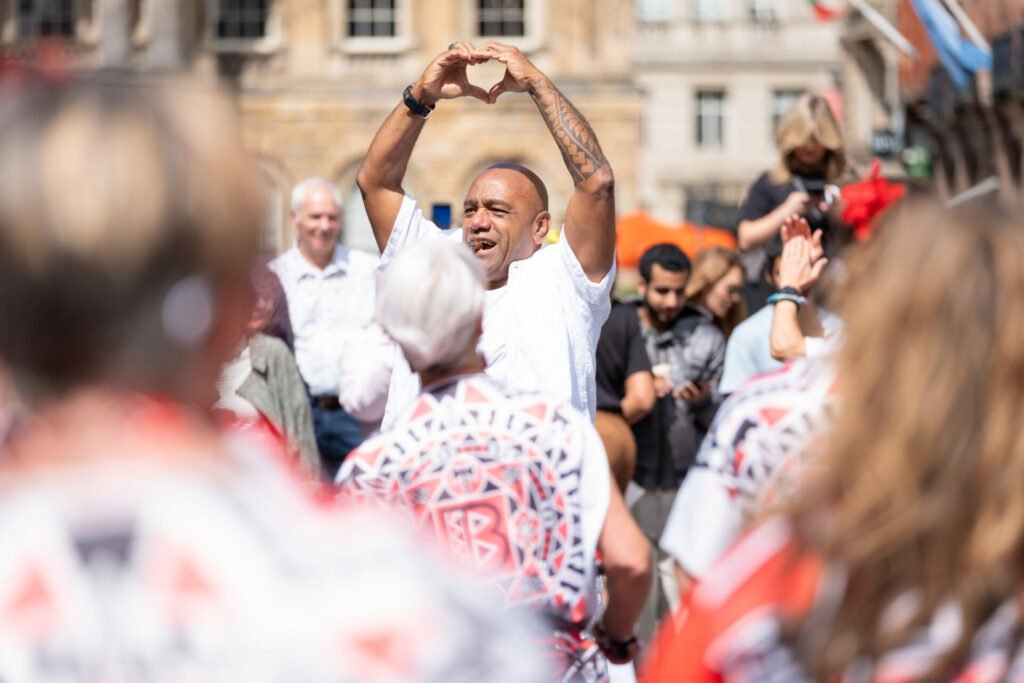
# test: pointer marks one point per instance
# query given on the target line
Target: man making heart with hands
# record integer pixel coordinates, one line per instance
(543, 309)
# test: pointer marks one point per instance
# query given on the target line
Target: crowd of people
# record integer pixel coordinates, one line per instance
(465, 459)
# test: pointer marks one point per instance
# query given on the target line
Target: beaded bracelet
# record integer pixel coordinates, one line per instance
(786, 296)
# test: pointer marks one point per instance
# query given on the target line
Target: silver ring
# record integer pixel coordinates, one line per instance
(451, 46)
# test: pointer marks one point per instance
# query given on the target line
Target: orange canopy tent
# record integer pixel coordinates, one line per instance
(638, 231)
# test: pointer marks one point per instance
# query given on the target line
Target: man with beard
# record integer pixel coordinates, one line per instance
(686, 351)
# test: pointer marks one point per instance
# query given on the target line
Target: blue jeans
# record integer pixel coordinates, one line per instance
(337, 433)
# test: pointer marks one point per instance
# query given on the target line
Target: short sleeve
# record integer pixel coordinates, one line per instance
(594, 294)
(738, 365)
(410, 227)
(637, 359)
(759, 201)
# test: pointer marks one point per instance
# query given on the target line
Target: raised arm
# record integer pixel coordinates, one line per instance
(380, 176)
(590, 216)
(801, 266)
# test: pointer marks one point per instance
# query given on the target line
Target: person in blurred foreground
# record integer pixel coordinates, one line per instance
(902, 558)
(136, 543)
(516, 485)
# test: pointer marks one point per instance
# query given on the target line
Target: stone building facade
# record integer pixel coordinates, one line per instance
(683, 94)
(315, 78)
(716, 76)
(975, 133)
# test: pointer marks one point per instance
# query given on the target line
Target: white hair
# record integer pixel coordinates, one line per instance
(300, 191)
(430, 300)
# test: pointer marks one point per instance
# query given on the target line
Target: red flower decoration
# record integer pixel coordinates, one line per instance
(865, 200)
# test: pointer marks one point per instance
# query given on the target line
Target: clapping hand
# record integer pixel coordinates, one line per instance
(797, 226)
(798, 267)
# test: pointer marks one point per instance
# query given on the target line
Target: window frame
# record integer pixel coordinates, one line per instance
(369, 45)
(699, 116)
(776, 113)
(84, 32)
(643, 13)
(763, 12)
(720, 18)
(271, 41)
(533, 26)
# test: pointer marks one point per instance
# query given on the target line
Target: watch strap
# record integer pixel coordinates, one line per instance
(415, 106)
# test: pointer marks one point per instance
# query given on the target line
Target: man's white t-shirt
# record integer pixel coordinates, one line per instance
(540, 330)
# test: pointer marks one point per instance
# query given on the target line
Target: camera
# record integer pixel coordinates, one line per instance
(816, 189)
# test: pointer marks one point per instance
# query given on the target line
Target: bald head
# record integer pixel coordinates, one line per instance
(534, 180)
(505, 218)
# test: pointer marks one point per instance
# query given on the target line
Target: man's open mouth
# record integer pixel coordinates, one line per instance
(481, 245)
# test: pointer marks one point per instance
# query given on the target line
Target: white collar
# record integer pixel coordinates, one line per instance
(301, 267)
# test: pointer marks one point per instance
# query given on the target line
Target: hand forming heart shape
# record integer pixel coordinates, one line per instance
(446, 78)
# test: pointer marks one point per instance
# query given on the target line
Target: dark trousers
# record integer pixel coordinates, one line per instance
(337, 433)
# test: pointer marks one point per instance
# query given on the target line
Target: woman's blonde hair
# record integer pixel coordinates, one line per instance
(710, 266)
(921, 495)
(810, 116)
(125, 208)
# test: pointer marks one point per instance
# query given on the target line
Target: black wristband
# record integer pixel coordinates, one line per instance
(415, 106)
(617, 651)
(793, 291)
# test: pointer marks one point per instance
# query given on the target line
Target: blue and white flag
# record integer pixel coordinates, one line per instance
(958, 55)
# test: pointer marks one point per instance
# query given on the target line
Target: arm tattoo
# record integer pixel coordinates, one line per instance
(574, 136)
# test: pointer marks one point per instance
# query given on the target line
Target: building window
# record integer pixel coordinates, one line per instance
(710, 118)
(241, 19)
(763, 11)
(652, 11)
(372, 18)
(782, 100)
(45, 19)
(501, 18)
(708, 10)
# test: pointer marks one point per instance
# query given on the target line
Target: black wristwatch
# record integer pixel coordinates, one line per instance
(415, 106)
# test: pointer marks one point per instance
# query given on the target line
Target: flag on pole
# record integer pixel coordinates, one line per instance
(960, 57)
(827, 12)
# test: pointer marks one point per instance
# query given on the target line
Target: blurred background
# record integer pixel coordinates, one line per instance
(683, 94)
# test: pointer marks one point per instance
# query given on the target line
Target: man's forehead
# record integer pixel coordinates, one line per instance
(502, 184)
(321, 198)
(664, 277)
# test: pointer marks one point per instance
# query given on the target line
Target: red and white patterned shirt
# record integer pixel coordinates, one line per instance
(143, 553)
(735, 630)
(515, 486)
(755, 446)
